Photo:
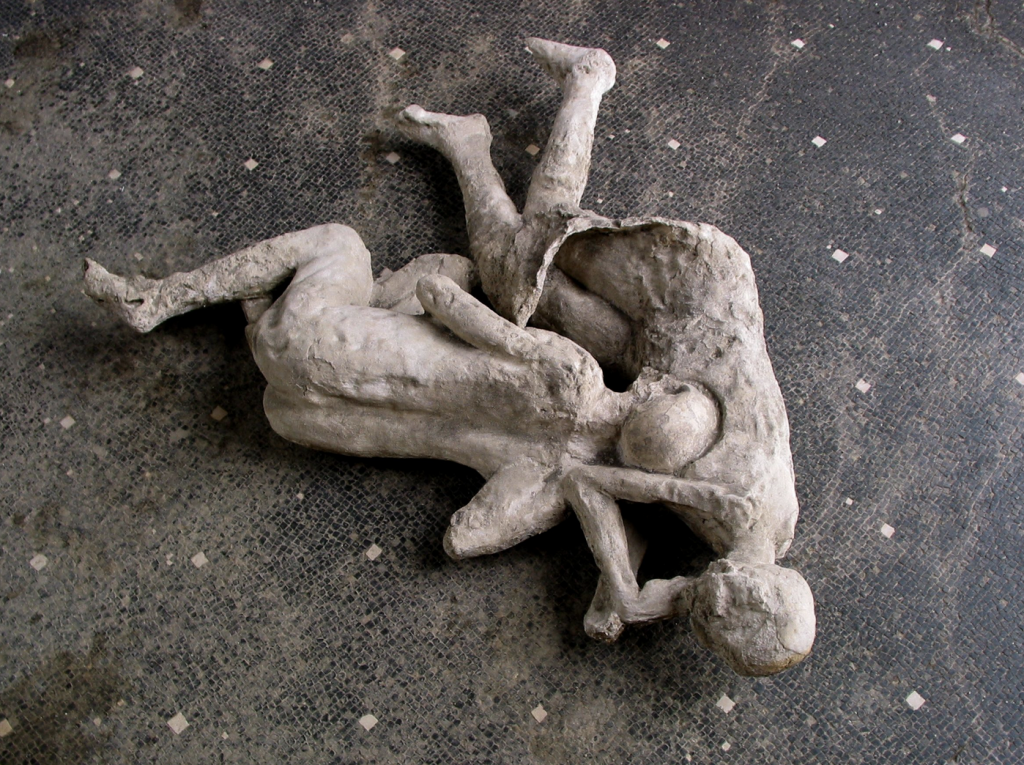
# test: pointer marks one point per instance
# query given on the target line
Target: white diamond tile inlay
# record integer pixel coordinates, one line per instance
(539, 713)
(39, 562)
(915, 700)
(797, 43)
(818, 141)
(135, 72)
(392, 157)
(373, 551)
(725, 703)
(839, 256)
(5, 728)
(397, 54)
(887, 531)
(178, 723)
(935, 44)
(958, 139)
(9, 83)
(67, 422)
(863, 385)
(533, 150)
(265, 64)
(114, 174)
(1020, 378)
(673, 144)
(988, 250)
(219, 413)
(250, 164)
(199, 559)
(663, 43)
(368, 721)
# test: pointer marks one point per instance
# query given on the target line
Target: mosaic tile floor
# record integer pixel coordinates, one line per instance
(180, 585)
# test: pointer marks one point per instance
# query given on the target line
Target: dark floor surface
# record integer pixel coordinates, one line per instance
(113, 474)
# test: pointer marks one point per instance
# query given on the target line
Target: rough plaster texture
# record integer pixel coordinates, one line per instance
(702, 427)
(326, 598)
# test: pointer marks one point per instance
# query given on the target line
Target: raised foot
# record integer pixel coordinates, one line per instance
(129, 299)
(441, 131)
(561, 60)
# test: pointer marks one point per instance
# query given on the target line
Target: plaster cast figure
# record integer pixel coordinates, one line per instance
(353, 367)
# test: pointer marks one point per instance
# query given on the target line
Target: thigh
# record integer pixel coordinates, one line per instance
(337, 271)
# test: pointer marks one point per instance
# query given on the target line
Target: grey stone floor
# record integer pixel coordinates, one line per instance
(124, 129)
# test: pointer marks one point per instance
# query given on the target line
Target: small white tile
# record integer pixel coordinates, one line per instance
(1004, 189)
(663, 43)
(878, 211)
(114, 174)
(958, 139)
(887, 531)
(392, 157)
(797, 43)
(97, 721)
(300, 496)
(849, 501)
(726, 746)
(725, 703)
(199, 559)
(135, 72)
(9, 83)
(1020, 378)
(5, 728)
(818, 141)
(915, 700)
(39, 562)
(137, 255)
(178, 723)
(368, 721)
(219, 413)
(347, 38)
(839, 256)
(533, 149)
(265, 64)
(373, 551)
(539, 713)
(935, 44)
(931, 99)
(67, 422)
(673, 144)
(863, 385)
(988, 250)
(397, 54)
(250, 164)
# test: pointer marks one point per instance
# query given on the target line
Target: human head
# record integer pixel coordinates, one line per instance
(673, 426)
(759, 617)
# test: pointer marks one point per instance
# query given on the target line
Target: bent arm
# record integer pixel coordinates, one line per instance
(719, 514)
(471, 320)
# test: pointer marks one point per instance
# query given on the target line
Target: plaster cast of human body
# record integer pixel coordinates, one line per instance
(352, 368)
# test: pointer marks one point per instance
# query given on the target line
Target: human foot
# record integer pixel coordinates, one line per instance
(443, 132)
(562, 61)
(129, 299)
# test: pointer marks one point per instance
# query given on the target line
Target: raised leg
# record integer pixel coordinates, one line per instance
(585, 75)
(491, 217)
(248, 275)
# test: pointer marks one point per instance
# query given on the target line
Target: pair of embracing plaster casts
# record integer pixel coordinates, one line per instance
(411, 365)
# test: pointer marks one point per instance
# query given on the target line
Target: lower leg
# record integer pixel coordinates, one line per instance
(585, 75)
(491, 217)
(247, 275)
